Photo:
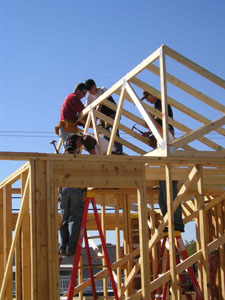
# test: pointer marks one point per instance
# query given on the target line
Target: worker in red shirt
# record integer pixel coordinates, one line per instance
(70, 109)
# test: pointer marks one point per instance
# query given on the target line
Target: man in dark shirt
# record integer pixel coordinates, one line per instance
(70, 109)
(178, 222)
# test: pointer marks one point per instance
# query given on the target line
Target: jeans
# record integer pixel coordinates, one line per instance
(163, 202)
(63, 135)
(71, 205)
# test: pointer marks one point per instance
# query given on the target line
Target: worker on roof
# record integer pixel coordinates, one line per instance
(93, 93)
(90, 144)
(70, 109)
(178, 222)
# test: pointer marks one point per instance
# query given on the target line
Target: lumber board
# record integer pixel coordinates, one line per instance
(9, 261)
(123, 128)
(171, 236)
(143, 233)
(116, 122)
(194, 67)
(189, 89)
(7, 235)
(15, 176)
(202, 227)
(183, 109)
(97, 174)
(118, 251)
(163, 87)
(148, 119)
(94, 125)
(208, 158)
(25, 243)
(198, 132)
(122, 141)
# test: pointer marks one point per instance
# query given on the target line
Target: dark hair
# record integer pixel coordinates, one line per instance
(89, 142)
(89, 84)
(71, 142)
(80, 86)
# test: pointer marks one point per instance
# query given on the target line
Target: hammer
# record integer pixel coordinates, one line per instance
(53, 143)
(134, 127)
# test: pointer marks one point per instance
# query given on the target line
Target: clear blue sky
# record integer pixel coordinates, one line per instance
(49, 46)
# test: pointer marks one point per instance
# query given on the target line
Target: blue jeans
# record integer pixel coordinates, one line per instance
(163, 202)
(63, 135)
(71, 205)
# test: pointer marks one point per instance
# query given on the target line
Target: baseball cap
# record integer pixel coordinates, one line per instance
(145, 95)
(71, 142)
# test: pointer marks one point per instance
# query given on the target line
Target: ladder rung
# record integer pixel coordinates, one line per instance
(94, 237)
(98, 257)
(105, 297)
(93, 267)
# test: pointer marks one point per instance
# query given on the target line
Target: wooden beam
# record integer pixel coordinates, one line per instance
(123, 128)
(116, 122)
(143, 241)
(15, 176)
(8, 268)
(194, 67)
(122, 141)
(25, 243)
(189, 89)
(182, 108)
(195, 134)
(171, 236)
(163, 86)
(93, 119)
(202, 227)
(148, 119)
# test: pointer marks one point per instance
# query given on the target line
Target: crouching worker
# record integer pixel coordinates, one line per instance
(71, 205)
(91, 145)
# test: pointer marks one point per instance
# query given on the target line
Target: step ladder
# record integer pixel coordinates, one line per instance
(84, 237)
(180, 251)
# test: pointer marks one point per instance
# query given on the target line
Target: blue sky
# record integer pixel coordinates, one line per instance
(49, 46)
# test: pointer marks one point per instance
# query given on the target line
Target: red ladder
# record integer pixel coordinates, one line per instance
(180, 248)
(83, 236)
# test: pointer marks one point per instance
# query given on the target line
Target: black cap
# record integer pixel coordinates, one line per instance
(71, 142)
(145, 95)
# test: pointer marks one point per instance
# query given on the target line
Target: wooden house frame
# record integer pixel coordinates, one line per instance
(128, 183)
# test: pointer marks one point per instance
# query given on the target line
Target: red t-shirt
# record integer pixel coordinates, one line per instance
(71, 107)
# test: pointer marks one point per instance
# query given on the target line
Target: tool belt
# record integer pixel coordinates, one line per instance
(68, 126)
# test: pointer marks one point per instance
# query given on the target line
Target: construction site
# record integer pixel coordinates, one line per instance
(153, 264)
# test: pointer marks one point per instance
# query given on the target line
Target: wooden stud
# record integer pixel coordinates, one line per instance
(171, 236)
(205, 267)
(164, 101)
(144, 252)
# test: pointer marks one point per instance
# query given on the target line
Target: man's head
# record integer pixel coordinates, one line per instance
(149, 97)
(73, 143)
(80, 90)
(89, 143)
(91, 86)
